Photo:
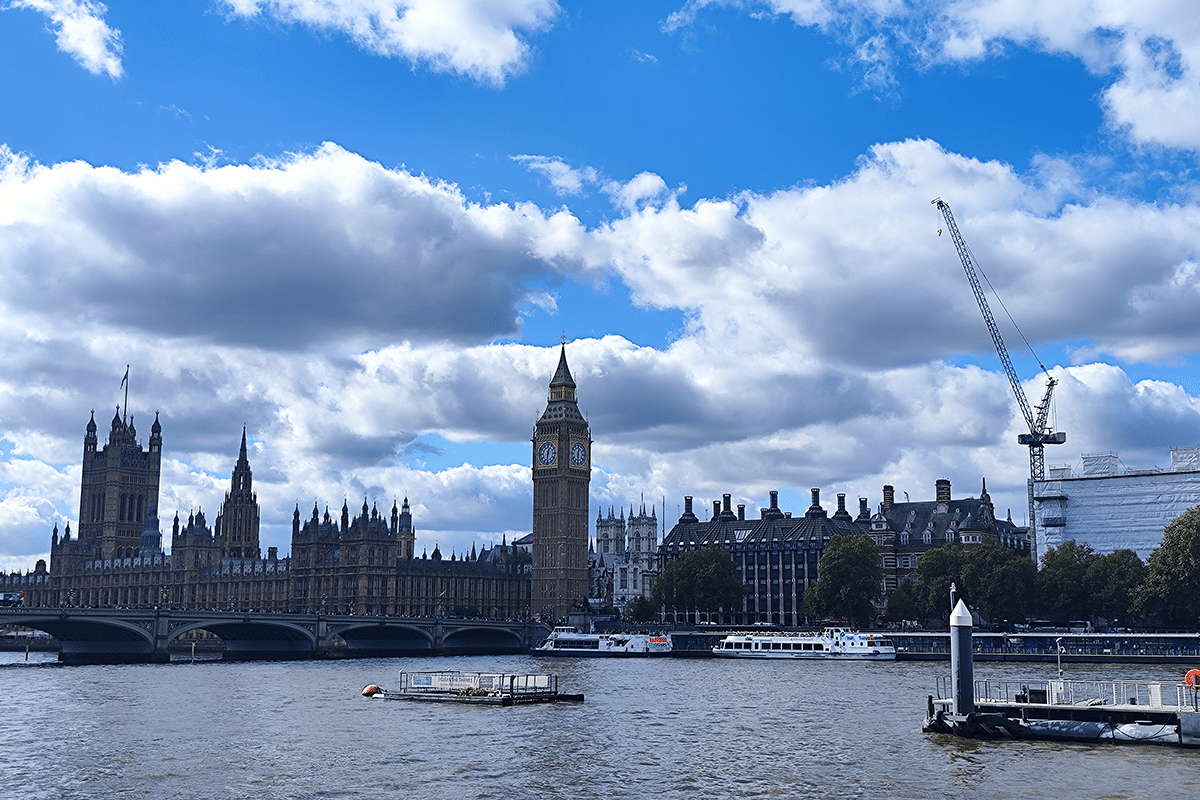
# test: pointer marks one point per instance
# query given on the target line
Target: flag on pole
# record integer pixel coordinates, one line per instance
(125, 380)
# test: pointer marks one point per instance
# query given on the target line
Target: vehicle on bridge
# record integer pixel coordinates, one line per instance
(11, 599)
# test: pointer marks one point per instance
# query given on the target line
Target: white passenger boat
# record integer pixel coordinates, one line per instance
(568, 641)
(831, 643)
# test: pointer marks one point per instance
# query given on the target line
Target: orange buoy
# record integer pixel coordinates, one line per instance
(1192, 679)
(373, 689)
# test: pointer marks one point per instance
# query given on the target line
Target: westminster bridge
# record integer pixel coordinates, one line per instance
(118, 635)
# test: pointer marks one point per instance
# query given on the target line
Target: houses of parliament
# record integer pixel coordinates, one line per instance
(360, 563)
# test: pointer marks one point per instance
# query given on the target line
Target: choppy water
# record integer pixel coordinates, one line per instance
(658, 728)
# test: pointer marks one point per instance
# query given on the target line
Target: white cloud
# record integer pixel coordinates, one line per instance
(1149, 52)
(820, 322)
(477, 38)
(643, 188)
(82, 33)
(283, 254)
(565, 179)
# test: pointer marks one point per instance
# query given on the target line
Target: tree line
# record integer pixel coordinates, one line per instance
(1074, 583)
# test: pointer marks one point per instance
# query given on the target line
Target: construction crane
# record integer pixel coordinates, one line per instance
(1035, 418)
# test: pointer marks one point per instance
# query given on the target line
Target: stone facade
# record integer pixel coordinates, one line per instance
(777, 556)
(629, 551)
(562, 473)
(362, 565)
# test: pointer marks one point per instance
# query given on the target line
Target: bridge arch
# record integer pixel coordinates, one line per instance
(252, 638)
(94, 638)
(471, 639)
(383, 638)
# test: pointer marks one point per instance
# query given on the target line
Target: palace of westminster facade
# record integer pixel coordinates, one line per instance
(366, 564)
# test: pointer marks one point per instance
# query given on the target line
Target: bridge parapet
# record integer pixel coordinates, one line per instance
(90, 635)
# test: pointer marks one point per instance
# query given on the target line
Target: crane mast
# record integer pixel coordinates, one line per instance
(1035, 418)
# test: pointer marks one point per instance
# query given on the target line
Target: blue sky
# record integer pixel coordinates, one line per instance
(360, 228)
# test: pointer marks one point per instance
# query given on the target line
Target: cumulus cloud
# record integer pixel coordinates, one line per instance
(283, 254)
(815, 270)
(823, 324)
(1149, 52)
(82, 33)
(481, 39)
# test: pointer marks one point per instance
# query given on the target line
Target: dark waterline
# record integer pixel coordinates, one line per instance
(649, 727)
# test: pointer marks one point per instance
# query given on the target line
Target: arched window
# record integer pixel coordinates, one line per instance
(904, 538)
(928, 537)
(121, 513)
(140, 509)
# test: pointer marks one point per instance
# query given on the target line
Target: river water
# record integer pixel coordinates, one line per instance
(661, 728)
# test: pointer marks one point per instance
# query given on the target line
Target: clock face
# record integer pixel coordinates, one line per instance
(547, 454)
(578, 455)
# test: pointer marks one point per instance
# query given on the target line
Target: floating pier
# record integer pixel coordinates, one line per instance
(475, 688)
(1057, 709)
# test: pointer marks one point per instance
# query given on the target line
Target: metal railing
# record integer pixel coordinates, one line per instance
(1166, 696)
(483, 683)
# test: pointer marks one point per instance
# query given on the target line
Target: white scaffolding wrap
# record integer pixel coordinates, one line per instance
(1185, 459)
(1110, 511)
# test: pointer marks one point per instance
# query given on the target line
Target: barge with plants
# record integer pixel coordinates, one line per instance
(474, 688)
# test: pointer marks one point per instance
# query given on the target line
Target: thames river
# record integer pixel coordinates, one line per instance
(659, 728)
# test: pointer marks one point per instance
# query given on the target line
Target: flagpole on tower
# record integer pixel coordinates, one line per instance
(125, 383)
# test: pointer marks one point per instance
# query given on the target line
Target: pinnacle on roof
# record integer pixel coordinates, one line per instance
(562, 376)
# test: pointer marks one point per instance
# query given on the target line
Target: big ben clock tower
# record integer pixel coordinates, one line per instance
(562, 472)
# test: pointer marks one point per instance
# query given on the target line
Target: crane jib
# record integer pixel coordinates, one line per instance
(1035, 419)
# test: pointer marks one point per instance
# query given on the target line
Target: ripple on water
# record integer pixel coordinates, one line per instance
(665, 728)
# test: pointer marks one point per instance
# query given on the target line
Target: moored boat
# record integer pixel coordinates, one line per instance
(831, 643)
(568, 641)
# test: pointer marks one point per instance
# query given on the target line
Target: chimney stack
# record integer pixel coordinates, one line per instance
(943, 490)
(889, 496)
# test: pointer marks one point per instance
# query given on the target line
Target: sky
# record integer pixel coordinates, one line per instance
(361, 229)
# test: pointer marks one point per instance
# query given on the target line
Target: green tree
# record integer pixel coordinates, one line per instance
(639, 609)
(902, 604)
(700, 580)
(1171, 590)
(996, 582)
(1111, 581)
(1060, 583)
(848, 581)
(936, 570)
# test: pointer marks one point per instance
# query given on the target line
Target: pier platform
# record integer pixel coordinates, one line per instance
(1079, 711)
